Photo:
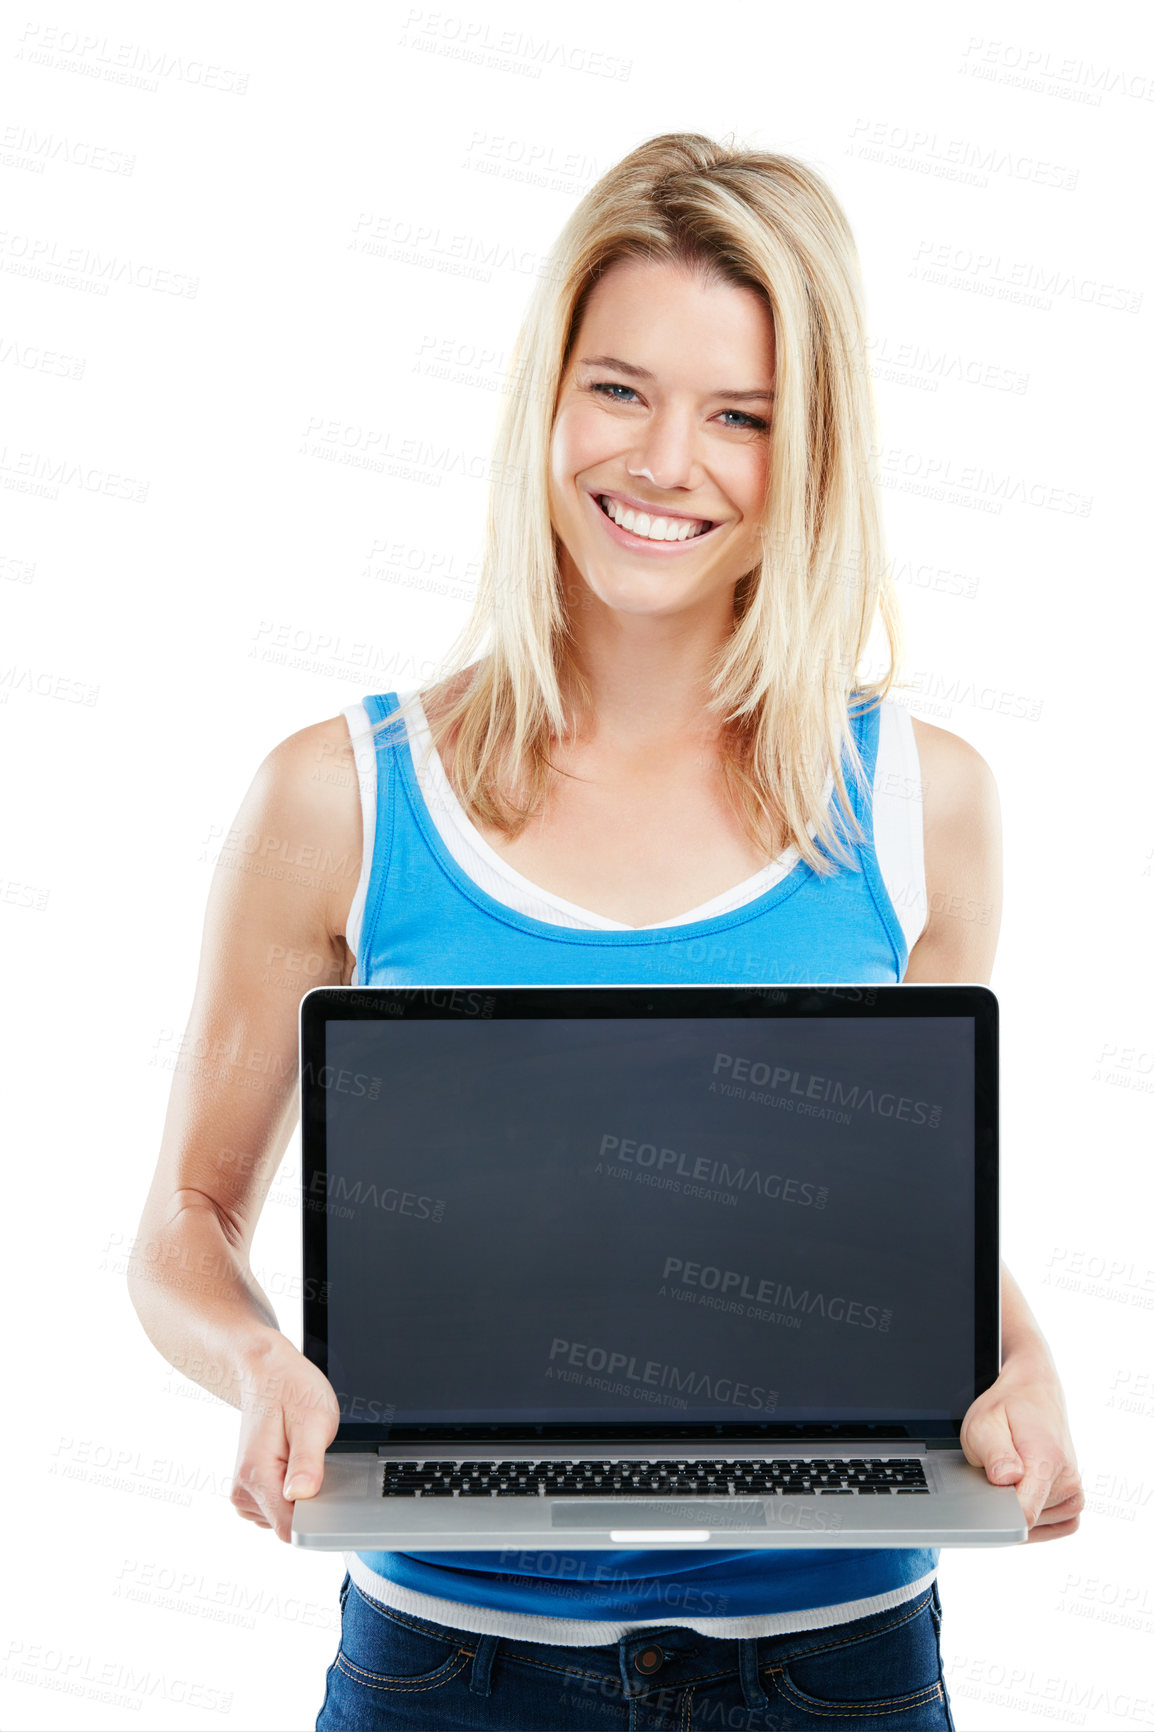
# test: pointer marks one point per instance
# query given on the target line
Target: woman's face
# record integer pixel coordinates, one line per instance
(664, 410)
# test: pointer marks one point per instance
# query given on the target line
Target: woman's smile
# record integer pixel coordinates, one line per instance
(652, 531)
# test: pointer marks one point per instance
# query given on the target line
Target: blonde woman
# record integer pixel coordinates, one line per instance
(663, 764)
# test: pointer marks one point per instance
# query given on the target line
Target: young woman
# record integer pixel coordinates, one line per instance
(664, 766)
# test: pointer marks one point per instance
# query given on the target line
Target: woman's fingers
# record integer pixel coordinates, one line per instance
(288, 1419)
(261, 1456)
(245, 1507)
(1052, 1530)
(1060, 1518)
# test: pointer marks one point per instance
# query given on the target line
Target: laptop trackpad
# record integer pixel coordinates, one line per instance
(621, 1512)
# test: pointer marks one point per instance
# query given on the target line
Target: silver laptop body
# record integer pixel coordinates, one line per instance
(637, 1266)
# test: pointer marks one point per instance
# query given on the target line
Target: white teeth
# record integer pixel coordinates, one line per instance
(651, 528)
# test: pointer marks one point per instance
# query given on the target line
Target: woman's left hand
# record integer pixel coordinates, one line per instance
(1019, 1433)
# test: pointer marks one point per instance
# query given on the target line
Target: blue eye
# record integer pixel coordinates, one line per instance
(753, 422)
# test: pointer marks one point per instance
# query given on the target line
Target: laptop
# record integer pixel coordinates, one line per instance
(598, 1266)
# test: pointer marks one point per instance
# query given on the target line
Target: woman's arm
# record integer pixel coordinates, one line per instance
(1017, 1430)
(269, 936)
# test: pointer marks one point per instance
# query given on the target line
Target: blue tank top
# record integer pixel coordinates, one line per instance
(426, 923)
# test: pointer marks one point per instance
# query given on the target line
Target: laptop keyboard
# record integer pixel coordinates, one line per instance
(786, 1477)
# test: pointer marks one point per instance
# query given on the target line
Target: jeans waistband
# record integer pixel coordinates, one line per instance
(667, 1657)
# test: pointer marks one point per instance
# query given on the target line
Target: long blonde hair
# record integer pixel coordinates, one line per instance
(781, 686)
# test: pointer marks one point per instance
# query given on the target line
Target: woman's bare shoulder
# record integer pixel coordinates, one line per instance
(962, 832)
(312, 802)
(955, 775)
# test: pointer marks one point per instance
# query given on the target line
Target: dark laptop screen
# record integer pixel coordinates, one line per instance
(649, 1221)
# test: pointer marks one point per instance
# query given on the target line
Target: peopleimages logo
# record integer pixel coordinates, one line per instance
(345, 1082)
(675, 1163)
(338, 1189)
(732, 1285)
(568, 1359)
(830, 1090)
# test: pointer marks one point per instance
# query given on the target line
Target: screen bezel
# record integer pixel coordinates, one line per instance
(388, 1005)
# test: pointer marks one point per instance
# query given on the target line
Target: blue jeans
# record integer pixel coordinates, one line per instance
(877, 1674)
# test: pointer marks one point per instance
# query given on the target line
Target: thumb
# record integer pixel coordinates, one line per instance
(306, 1470)
(310, 1426)
(987, 1442)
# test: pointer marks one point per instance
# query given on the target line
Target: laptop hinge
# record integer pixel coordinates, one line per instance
(559, 1446)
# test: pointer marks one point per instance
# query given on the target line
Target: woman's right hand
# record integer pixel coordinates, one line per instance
(289, 1416)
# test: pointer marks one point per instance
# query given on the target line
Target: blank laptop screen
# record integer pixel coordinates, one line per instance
(650, 1220)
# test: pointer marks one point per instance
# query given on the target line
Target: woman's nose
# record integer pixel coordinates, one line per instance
(665, 453)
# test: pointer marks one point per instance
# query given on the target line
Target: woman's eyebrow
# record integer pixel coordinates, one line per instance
(643, 373)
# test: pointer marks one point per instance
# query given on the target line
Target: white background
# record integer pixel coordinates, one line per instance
(319, 246)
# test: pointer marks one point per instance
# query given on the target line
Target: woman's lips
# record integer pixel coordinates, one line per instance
(627, 501)
(641, 543)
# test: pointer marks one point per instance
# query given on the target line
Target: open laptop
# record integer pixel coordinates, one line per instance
(651, 1265)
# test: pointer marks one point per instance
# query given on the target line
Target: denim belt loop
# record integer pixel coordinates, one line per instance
(755, 1696)
(483, 1664)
